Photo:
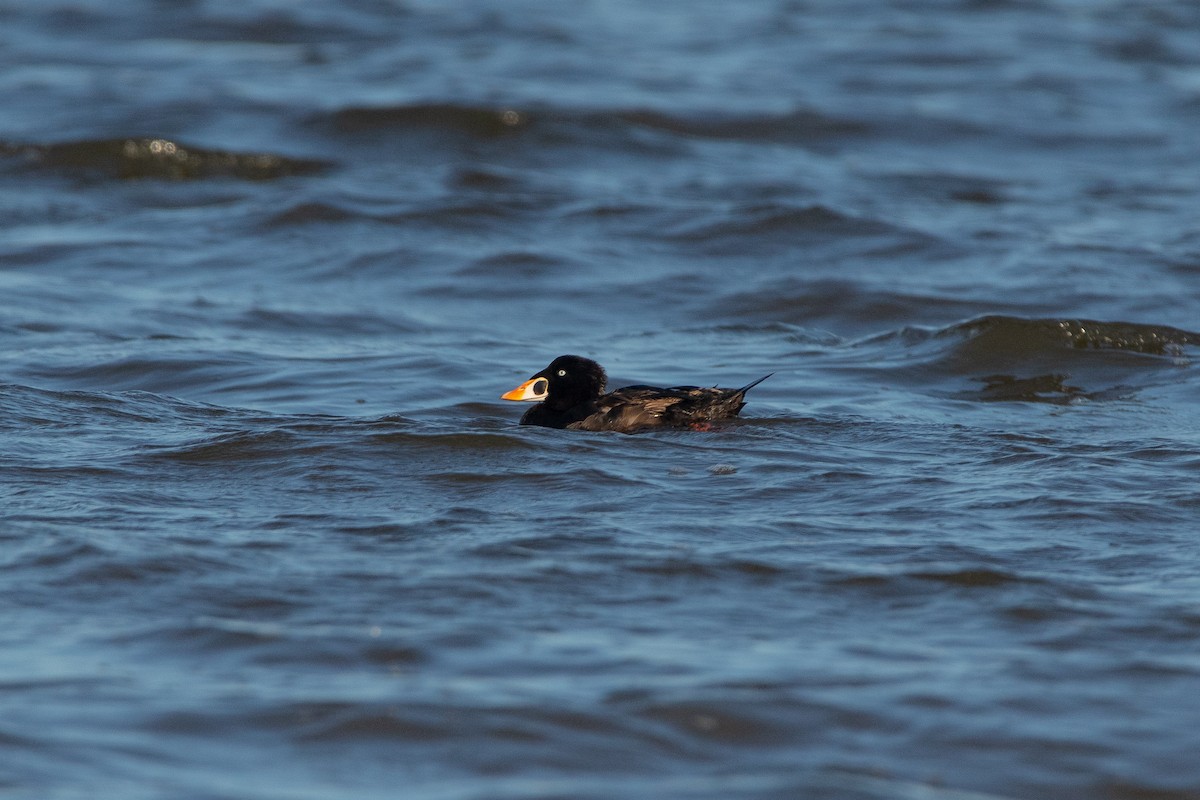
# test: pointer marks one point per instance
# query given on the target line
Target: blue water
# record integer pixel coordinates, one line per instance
(267, 531)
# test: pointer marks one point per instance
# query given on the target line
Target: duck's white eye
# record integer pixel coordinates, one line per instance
(562, 373)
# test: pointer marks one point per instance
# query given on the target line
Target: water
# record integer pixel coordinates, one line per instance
(269, 533)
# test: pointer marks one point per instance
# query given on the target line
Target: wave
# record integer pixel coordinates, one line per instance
(565, 125)
(770, 219)
(1040, 360)
(1016, 335)
(46, 409)
(773, 228)
(454, 213)
(158, 158)
(474, 120)
(797, 125)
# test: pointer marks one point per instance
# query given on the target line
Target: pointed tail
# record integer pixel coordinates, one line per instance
(752, 384)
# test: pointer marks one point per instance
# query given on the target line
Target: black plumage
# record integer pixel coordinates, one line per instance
(570, 394)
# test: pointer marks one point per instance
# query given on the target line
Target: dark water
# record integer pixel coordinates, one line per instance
(267, 532)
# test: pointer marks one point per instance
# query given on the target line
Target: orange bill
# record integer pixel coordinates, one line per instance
(531, 391)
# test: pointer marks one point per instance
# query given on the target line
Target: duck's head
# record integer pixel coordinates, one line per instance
(567, 382)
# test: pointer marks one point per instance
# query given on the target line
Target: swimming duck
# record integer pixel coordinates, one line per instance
(570, 394)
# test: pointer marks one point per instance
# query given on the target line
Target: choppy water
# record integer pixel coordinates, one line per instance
(267, 532)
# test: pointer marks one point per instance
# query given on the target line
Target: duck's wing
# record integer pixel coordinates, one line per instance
(701, 404)
(637, 407)
(631, 408)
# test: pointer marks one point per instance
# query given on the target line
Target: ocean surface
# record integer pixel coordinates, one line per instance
(268, 533)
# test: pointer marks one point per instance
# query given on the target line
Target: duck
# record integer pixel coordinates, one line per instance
(570, 394)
